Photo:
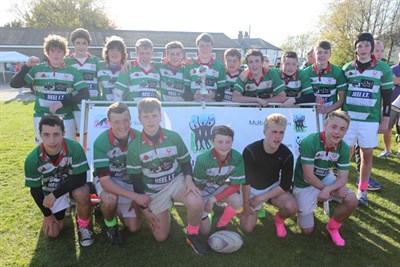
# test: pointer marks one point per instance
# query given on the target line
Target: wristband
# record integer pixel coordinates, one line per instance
(143, 207)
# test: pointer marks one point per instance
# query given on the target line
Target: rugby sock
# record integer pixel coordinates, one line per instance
(280, 225)
(111, 223)
(333, 229)
(227, 215)
(363, 186)
(193, 230)
(83, 223)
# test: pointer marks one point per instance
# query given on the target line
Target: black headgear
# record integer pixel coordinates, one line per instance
(365, 36)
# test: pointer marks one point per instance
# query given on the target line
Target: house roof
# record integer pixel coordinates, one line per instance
(256, 43)
(35, 37)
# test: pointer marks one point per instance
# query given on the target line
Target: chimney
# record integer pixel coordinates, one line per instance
(240, 36)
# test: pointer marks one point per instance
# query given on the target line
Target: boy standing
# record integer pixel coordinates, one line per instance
(218, 173)
(214, 77)
(327, 79)
(172, 83)
(298, 86)
(232, 58)
(114, 55)
(83, 61)
(370, 85)
(314, 181)
(260, 86)
(58, 87)
(111, 180)
(160, 165)
(86, 64)
(53, 170)
(142, 79)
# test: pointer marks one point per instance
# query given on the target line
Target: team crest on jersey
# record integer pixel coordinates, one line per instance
(88, 76)
(100, 121)
(333, 156)
(201, 126)
(60, 87)
(366, 84)
(299, 123)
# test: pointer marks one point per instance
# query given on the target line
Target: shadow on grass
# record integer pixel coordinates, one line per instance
(26, 99)
(60, 251)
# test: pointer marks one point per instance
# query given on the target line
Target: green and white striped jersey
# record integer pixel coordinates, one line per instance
(89, 73)
(328, 83)
(363, 97)
(40, 171)
(53, 85)
(215, 77)
(210, 174)
(171, 82)
(138, 83)
(107, 79)
(159, 163)
(269, 85)
(313, 152)
(108, 152)
(297, 85)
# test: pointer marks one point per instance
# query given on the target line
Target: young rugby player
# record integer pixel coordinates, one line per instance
(143, 78)
(269, 171)
(370, 84)
(160, 165)
(58, 87)
(215, 76)
(218, 173)
(260, 86)
(327, 79)
(112, 183)
(315, 181)
(55, 170)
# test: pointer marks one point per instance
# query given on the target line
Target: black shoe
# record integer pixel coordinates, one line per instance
(114, 235)
(196, 243)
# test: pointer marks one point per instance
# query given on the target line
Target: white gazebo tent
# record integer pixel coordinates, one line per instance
(10, 57)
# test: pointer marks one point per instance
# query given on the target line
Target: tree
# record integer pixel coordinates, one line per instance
(88, 14)
(345, 19)
(301, 43)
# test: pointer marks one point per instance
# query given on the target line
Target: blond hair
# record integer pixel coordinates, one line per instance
(275, 118)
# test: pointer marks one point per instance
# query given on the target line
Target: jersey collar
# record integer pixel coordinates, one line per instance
(136, 63)
(286, 78)
(373, 64)
(63, 152)
(88, 56)
(323, 72)
(221, 163)
(114, 141)
(250, 77)
(235, 75)
(330, 148)
(149, 143)
(209, 64)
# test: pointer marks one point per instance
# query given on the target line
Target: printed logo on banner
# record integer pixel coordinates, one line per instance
(100, 121)
(201, 126)
(298, 141)
(299, 125)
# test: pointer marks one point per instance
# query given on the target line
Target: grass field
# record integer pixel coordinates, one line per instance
(372, 234)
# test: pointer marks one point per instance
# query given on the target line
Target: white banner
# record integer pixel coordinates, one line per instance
(194, 124)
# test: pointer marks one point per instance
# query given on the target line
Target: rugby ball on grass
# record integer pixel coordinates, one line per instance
(225, 241)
